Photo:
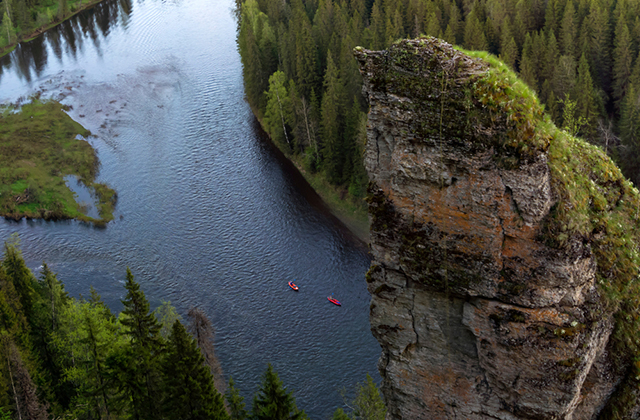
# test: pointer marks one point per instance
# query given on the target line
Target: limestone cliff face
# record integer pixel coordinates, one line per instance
(478, 316)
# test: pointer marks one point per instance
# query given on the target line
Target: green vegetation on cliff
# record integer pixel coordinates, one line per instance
(594, 204)
(38, 148)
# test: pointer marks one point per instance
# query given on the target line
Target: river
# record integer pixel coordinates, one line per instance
(209, 213)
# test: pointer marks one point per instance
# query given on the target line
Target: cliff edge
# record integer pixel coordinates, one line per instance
(505, 257)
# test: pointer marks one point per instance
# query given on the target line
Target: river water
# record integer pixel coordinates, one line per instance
(209, 213)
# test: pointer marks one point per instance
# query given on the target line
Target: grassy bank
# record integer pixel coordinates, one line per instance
(45, 16)
(38, 148)
(352, 212)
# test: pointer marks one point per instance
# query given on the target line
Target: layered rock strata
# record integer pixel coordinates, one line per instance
(477, 315)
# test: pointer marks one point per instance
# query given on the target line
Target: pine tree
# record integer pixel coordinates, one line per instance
(452, 31)
(90, 334)
(19, 274)
(272, 401)
(586, 100)
(188, 383)
(630, 134)
(368, 402)
(138, 365)
(254, 84)
(378, 29)
(528, 66)
(305, 51)
(235, 402)
(568, 31)
(7, 30)
(474, 37)
(596, 27)
(201, 328)
(508, 47)
(339, 414)
(331, 111)
(622, 62)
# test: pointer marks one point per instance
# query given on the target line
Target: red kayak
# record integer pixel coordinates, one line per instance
(293, 286)
(334, 301)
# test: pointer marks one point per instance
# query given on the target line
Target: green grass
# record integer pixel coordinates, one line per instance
(38, 149)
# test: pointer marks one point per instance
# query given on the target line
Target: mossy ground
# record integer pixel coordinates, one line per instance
(38, 148)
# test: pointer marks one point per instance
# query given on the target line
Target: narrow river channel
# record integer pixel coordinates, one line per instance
(209, 214)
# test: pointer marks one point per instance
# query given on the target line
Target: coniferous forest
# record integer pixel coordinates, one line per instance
(68, 358)
(580, 56)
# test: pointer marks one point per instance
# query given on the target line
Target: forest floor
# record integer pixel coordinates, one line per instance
(39, 147)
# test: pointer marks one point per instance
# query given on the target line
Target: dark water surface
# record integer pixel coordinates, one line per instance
(209, 213)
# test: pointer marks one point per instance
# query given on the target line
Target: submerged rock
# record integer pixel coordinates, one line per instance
(493, 235)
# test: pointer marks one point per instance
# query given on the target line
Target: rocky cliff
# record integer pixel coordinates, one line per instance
(505, 250)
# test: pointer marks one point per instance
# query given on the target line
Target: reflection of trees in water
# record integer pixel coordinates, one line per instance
(30, 58)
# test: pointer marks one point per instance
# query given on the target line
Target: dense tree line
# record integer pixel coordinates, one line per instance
(73, 358)
(20, 18)
(580, 56)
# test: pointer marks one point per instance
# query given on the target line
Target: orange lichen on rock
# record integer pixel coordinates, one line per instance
(498, 320)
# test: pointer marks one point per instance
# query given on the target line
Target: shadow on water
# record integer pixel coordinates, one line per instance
(305, 189)
(31, 57)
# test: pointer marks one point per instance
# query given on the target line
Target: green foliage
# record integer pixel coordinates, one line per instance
(278, 112)
(137, 365)
(544, 42)
(272, 401)
(188, 383)
(166, 315)
(339, 414)
(38, 149)
(91, 334)
(235, 402)
(366, 405)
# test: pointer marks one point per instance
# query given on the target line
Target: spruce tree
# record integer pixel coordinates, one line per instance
(569, 30)
(138, 365)
(528, 65)
(235, 402)
(622, 62)
(474, 37)
(630, 134)
(19, 274)
(339, 414)
(331, 110)
(587, 107)
(188, 383)
(272, 401)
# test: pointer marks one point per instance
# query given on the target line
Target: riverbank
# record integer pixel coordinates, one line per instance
(48, 18)
(352, 212)
(39, 147)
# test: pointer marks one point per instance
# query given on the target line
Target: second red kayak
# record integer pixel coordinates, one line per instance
(293, 286)
(334, 301)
